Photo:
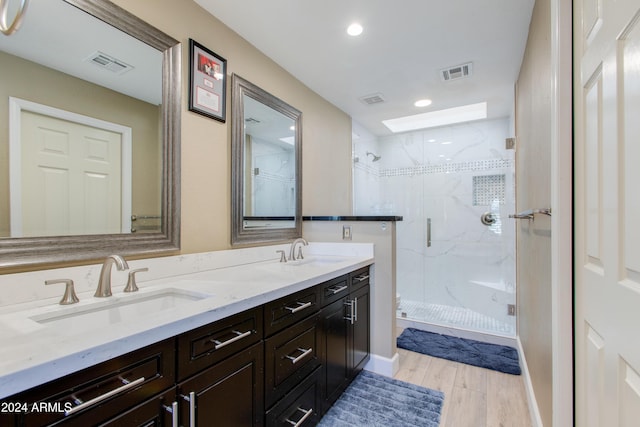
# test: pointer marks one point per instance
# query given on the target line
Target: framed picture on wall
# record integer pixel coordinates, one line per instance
(207, 82)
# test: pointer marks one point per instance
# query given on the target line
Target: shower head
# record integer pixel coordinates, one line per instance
(375, 158)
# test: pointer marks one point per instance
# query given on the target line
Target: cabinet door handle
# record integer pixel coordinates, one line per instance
(301, 306)
(305, 352)
(173, 410)
(337, 290)
(355, 310)
(192, 408)
(307, 413)
(350, 317)
(127, 385)
(239, 336)
(362, 277)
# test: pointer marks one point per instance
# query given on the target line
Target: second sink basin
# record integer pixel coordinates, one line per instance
(109, 312)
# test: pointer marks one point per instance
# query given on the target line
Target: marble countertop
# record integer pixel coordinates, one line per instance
(35, 350)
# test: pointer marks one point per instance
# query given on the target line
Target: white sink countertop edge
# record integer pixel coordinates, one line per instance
(34, 353)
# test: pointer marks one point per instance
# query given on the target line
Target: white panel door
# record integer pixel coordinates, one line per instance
(607, 212)
(71, 177)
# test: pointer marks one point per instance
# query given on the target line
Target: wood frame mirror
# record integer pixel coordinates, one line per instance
(30, 251)
(285, 222)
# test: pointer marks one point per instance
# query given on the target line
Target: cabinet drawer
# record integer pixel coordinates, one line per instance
(291, 355)
(301, 407)
(112, 387)
(227, 394)
(334, 289)
(152, 413)
(202, 347)
(359, 278)
(286, 311)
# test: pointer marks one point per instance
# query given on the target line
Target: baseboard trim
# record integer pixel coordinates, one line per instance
(536, 420)
(384, 365)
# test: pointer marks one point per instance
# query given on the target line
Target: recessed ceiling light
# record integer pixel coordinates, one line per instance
(354, 29)
(466, 113)
(422, 103)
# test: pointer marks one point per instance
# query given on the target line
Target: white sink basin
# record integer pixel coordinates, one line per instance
(116, 310)
(312, 261)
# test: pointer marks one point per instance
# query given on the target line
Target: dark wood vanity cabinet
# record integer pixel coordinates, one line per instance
(292, 361)
(280, 364)
(360, 327)
(346, 333)
(228, 394)
(221, 372)
(103, 393)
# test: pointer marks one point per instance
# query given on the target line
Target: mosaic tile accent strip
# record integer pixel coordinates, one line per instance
(471, 166)
(488, 189)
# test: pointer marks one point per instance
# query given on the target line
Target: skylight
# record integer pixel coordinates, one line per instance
(466, 113)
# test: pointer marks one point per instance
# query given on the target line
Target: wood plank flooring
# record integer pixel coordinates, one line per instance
(474, 397)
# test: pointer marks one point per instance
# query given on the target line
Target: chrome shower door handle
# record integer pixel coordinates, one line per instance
(428, 232)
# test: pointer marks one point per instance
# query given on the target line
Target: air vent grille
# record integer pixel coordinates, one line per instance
(456, 72)
(372, 99)
(108, 62)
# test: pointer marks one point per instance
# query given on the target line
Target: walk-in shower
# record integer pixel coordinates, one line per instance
(454, 187)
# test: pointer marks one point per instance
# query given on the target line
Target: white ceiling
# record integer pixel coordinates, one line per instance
(399, 54)
(60, 36)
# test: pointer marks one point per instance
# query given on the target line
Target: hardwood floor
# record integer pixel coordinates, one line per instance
(474, 397)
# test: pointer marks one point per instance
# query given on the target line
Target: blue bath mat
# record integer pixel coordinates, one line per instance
(491, 356)
(372, 400)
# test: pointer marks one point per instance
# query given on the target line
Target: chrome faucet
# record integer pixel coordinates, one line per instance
(104, 284)
(292, 251)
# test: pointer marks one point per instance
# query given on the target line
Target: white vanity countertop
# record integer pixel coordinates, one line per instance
(33, 353)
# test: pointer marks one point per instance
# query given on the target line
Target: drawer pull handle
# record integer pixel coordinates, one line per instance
(305, 353)
(239, 336)
(192, 407)
(173, 410)
(307, 413)
(362, 278)
(337, 290)
(127, 385)
(301, 306)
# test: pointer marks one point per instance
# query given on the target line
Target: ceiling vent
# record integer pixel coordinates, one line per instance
(457, 72)
(110, 63)
(375, 98)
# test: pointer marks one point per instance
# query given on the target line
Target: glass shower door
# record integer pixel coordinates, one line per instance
(453, 269)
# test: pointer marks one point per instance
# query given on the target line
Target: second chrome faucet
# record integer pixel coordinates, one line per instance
(104, 283)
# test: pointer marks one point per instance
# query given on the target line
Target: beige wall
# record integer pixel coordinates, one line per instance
(206, 143)
(32, 82)
(533, 168)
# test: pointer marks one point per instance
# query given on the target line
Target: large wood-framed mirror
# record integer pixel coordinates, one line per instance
(266, 166)
(112, 185)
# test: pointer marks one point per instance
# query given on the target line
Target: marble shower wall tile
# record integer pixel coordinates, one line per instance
(430, 175)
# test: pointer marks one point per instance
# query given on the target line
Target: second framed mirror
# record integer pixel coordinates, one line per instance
(266, 166)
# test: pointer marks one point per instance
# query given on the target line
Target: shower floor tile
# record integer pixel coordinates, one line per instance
(452, 316)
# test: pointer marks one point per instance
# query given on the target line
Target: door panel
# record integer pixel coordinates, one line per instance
(607, 252)
(71, 177)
